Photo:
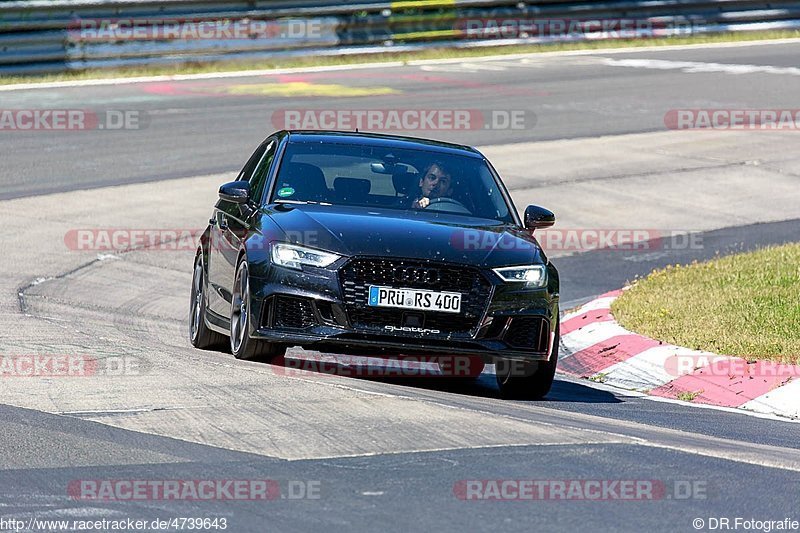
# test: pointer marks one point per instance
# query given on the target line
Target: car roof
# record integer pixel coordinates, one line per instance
(376, 139)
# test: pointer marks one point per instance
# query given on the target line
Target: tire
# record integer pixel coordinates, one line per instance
(528, 381)
(199, 333)
(460, 366)
(242, 345)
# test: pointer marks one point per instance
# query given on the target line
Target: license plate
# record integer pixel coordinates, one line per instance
(424, 300)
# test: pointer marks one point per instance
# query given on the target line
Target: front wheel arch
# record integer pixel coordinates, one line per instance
(243, 346)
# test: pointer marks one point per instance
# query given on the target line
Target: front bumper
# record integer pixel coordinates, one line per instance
(325, 310)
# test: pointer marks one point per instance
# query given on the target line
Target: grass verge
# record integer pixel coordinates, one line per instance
(432, 53)
(745, 305)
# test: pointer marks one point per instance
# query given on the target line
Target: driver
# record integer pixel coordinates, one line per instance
(436, 182)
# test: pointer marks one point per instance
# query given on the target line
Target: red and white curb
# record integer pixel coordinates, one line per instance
(596, 347)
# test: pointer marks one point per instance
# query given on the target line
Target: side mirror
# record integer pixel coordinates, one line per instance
(538, 217)
(237, 192)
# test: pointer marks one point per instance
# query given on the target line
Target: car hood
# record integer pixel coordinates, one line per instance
(430, 236)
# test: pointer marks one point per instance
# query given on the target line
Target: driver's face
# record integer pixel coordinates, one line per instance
(435, 183)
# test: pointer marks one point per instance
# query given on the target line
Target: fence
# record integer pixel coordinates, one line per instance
(39, 36)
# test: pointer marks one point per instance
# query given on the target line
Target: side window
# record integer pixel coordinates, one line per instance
(250, 166)
(259, 177)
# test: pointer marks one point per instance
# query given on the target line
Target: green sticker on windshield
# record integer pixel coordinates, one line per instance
(283, 192)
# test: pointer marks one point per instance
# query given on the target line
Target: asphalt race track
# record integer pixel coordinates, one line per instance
(389, 453)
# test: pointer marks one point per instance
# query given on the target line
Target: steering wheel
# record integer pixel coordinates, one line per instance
(448, 204)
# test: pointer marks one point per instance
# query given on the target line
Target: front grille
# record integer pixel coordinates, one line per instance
(293, 312)
(528, 333)
(359, 273)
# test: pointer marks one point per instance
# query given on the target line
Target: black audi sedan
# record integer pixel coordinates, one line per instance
(378, 245)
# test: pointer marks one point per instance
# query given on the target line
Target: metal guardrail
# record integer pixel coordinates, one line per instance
(64, 35)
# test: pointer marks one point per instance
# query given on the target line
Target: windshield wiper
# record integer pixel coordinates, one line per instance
(301, 202)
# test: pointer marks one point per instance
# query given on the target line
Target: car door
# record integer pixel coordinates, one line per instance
(240, 217)
(230, 225)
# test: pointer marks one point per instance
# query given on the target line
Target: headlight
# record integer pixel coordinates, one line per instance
(532, 276)
(292, 256)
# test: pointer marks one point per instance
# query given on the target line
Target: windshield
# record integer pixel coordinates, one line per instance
(390, 178)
